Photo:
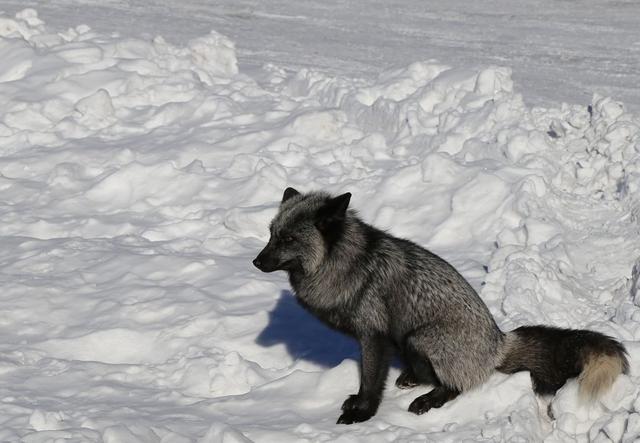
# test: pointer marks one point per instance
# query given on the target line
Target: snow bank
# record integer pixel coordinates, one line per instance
(137, 182)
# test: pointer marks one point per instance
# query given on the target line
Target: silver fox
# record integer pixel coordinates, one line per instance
(394, 296)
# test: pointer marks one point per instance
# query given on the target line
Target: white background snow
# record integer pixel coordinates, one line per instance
(138, 174)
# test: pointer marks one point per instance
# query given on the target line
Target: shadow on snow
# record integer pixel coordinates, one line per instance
(304, 335)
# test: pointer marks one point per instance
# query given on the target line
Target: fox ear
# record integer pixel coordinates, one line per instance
(333, 212)
(288, 193)
(338, 205)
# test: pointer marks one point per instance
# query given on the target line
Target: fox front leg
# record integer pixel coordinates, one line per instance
(374, 366)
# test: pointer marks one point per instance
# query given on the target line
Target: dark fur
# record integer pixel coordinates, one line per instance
(554, 355)
(394, 296)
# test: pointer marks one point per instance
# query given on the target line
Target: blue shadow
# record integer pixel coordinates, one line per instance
(305, 336)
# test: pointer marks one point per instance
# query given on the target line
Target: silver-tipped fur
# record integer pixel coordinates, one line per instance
(394, 296)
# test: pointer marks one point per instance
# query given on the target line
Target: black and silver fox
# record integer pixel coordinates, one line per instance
(394, 296)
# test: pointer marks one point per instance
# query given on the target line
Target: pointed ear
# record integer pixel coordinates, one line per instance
(333, 212)
(288, 193)
(338, 205)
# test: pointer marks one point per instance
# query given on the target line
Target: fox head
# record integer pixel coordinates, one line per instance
(303, 231)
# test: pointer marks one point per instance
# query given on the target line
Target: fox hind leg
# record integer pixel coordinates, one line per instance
(435, 398)
(407, 379)
(427, 359)
(418, 371)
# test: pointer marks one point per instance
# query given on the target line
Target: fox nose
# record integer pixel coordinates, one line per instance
(257, 263)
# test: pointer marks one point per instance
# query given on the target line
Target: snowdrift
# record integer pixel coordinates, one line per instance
(137, 180)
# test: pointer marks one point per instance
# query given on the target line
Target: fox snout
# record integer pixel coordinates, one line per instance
(265, 262)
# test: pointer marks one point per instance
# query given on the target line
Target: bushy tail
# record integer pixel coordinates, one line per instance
(554, 355)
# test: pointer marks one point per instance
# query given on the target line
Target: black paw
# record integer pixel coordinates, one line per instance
(356, 409)
(353, 402)
(434, 399)
(406, 380)
(355, 416)
(421, 405)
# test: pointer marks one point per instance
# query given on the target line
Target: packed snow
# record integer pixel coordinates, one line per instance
(559, 50)
(137, 180)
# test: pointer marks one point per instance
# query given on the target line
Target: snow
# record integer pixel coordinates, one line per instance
(137, 180)
(560, 51)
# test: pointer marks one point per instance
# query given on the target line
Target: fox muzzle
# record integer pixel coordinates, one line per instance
(265, 263)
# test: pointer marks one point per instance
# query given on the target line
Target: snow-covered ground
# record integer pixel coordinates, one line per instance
(559, 50)
(137, 179)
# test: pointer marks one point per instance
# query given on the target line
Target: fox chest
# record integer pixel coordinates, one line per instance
(335, 317)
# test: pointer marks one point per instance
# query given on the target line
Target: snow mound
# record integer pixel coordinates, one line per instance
(138, 179)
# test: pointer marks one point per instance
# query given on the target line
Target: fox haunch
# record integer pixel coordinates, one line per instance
(394, 296)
